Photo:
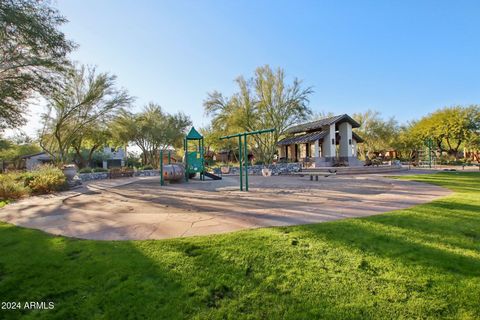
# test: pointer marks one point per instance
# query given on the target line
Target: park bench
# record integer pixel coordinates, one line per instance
(373, 162)
(120, 173)
(315, 174)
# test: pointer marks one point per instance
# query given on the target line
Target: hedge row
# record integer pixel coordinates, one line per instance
(45, 179)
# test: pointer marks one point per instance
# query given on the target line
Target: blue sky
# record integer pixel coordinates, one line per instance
(402, 58)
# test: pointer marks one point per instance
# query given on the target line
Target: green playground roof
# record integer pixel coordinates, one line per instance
(194, 135)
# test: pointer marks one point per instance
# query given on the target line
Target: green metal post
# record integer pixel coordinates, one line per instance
(245, 151)
(202, 169)
(185, 148)
(198, 152)
(240, 161)
(430, 153)
(162, 182)
(203, 158)
(169, 157)
(247, 133)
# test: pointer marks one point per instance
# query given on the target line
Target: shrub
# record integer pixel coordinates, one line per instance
(11, 187)
(47, 179)
(210, 162)
(25, 177)
(147, 167)
(100, 170)
(133, 160)
(85, 170)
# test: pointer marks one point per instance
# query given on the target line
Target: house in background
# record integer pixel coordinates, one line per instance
(31, 161)
(114, 157)
(322, 143)
(230, 155)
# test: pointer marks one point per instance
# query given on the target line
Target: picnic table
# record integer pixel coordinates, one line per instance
(316, 173)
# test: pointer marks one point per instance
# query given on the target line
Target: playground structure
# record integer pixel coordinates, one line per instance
(170, 171)
(243, 156)
(194, 161)
(426, 157)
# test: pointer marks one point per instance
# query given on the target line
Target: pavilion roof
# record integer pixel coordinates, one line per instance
(311, 137)
(304, 138)
(357, 137)
(318, 124)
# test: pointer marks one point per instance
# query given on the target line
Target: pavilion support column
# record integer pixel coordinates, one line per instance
(329, 145)
(291, 152)
(316, 149)
(316, 152)
(346, 141)
(281, 151)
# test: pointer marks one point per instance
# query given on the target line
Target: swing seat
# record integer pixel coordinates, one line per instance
(225, 170)
(266, 172)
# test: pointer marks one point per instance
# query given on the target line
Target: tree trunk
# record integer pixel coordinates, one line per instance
(439, 145)
(90, 153)
(81, 161)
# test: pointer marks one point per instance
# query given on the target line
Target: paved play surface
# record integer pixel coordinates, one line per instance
(139, 208)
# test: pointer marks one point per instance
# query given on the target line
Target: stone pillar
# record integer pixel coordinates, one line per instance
(315, 149)
(345, 133)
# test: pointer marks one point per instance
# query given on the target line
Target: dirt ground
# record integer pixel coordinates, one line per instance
(139, 208)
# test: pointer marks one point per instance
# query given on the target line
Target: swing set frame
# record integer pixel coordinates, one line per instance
(243, 154)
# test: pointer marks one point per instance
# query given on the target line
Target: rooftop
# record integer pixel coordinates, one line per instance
(318, 124)
(310, 137)
(35, 154)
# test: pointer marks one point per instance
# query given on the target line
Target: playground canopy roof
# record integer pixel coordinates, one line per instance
(194, 135)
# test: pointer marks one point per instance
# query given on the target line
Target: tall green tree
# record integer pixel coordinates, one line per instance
(93, 137)
(406, 142)
(321, 115)
(87, 98)
(151, 130)
(33, 51)
(379, 134)
(472, 146)
(451, 128)
(213, 143)
(264, 101)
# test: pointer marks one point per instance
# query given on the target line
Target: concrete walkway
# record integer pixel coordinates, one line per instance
(138, 208)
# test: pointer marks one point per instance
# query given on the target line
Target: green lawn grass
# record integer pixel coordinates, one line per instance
(422, 262)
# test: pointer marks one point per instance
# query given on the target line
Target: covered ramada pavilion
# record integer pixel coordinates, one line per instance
(322, 143)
